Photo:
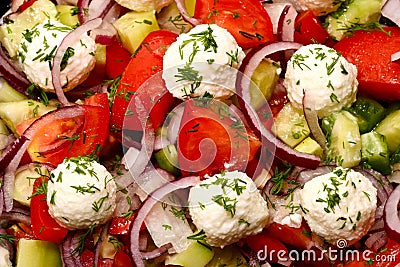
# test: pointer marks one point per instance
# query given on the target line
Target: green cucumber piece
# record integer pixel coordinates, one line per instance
(390, 128)
(67, 15)
(345, 144)
(3, 128)
(38, 253)
(9, 94)
(351, 14)
(368, 112)
(375, 153)
(167, 159)
(290, 125)
(310, 146)
(196, 255)
(229, 256)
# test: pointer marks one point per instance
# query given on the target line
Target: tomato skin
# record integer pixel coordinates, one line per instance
(246, 20)
(370, 51)
(87, 258)
(147, 61)
(308, 30)
(117, 58)
(120, 225)
(295, 237)
(26, 5)
(195, 128)
(105, 263)
(44, 227)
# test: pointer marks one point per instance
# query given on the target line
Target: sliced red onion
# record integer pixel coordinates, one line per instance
(99, 8)
(68, 41)
(376, 241)
(184, 13)
(104, 39)
(69, 257)
(283, 151)
(102, 238)
(391, 11)
(145, 209)
(285, 29)
(14, 76)
(378, 226)
(312, 120)
(6, 140)
(83, 6)
(161, 142)
(82, 92)
(7, 244)
(149, 255)
(15, 4)
(18, 215)
(306, 175)
(152, 179)
(396, 56)
(391, 215)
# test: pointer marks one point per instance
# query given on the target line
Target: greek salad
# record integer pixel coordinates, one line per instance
(200, 133)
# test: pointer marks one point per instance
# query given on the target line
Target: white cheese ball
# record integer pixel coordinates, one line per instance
(228, 207)
(211, 55)
(81, 193)
(144, 5)
(339, 205)
(38, 47)
(319, 7)
(329, 80)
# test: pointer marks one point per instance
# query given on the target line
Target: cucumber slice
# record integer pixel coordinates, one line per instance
(133, 27)
(310, 146)
(9, 94)
(368, 113)
(167, 159)
(375, 153)
(390, 128)
(345, 144)
(38, 253)
(3, 128)
(196, 255)
(290, 125)
(67, 15)
(351, 14)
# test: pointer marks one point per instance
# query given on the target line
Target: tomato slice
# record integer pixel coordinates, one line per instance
(72, 137)
(44, 227)
(267, 247)
(309, 30)
(296, 237)
(202, 151)
(147, 61)
(371, 52)
(27, 4)
(122, 259)
(246, 20)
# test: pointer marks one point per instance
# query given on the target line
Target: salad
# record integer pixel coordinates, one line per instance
(200, 133)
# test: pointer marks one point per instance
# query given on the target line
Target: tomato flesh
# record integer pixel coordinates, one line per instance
(117, 58)
(371, 52)
(309, 30)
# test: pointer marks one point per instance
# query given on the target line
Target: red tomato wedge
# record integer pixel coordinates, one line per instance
(44, 227)
(309, 30)
(370, 51)
(209, 139)
(71, 137)
(147, 61)
(246, 20)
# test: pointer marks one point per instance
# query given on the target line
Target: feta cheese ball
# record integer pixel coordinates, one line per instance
(339, 205)
(38, 47)
(319, 7)
(203, 61)
(228, 207)
(81, 193)
(144, 5)
(328, 79)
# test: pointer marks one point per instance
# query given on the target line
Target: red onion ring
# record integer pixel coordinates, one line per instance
(69, 39)
(312, 120)
(376, 240)
(69, 258)
(83, 6)
(146, 207)
(395, 57)
(391, 215)
(99, 8)
(149, 255)
(283, 151)
(18, 215)
(391, 11)
(285, 29)
(14, 76)
(184, 13)
(102, 238)
(8, 140)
